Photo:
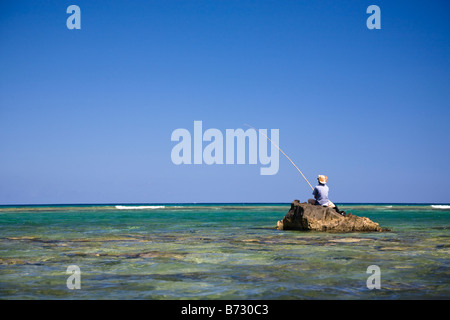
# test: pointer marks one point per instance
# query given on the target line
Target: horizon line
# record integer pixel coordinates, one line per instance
(212, 203)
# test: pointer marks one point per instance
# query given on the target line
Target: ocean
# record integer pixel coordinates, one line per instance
(219, 251)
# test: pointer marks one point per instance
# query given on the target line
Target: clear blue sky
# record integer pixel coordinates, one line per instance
(86, 115)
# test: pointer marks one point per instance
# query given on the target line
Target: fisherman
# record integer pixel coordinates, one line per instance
(320, 193)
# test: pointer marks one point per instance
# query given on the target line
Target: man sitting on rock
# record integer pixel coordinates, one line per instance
(320, 193)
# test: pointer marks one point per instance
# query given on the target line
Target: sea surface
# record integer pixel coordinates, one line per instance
(220, 251)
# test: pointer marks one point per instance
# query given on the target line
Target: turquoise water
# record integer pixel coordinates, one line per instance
(219, 251)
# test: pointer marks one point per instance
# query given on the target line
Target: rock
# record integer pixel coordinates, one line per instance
(305, 216)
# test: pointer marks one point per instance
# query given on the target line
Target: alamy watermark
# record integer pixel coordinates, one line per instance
(74, 280)
(74, 20)
(374, 20)
(374, 280)
(232, 150)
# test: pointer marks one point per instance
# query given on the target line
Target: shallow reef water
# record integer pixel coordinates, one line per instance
(219, 251)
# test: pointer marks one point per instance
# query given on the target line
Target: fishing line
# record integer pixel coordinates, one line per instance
(282, 153)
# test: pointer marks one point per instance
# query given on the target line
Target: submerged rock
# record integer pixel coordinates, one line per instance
(305, 216)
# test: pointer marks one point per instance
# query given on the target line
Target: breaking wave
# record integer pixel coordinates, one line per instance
(440, 206)
(138, 207)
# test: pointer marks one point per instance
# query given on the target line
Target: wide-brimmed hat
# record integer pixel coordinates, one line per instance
(322, 179)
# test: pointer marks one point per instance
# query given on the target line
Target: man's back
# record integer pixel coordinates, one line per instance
(321, 194)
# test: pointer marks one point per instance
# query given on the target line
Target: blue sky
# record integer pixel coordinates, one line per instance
(86, 115)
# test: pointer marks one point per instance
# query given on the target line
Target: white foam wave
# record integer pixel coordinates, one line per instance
(138, 207)
(440, 206)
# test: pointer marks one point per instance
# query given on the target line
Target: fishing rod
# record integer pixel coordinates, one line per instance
(282, 153)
